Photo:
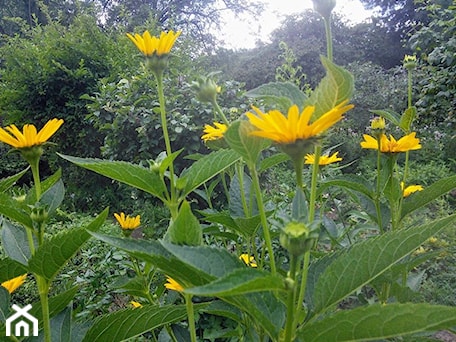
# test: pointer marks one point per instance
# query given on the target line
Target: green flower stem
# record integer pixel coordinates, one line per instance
(378, 193)
(173, 205)
(43, 289)
(409, 88)
(298, 166)
(264, 221)
(313, 184)
(290, 326)
(220, 112)
(191, 316)
(302, 290)
(329, 49)
(240, 173)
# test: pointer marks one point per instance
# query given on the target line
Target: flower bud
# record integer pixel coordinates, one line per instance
(206, 89)
(409, 62)
(297, 238)
(324, 7)
(39, 214)
(157, 64)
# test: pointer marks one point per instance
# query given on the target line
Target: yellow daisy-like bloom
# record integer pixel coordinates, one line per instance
(407, 143)
(287, 130)
(12, 284)
(214, 133)
(248, 260)
(173, 285)
(128, 222)
(136, 304)
(29, 136)
(151, 45)
(324, 160)
(407, 191)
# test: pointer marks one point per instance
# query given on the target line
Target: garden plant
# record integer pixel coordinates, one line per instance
(288, 271)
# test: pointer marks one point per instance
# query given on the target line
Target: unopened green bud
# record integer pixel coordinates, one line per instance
(409, 62)
(324, 7)
(157, 64)
(378, 126)
(206, 89)
(39, 214)
(297, 238)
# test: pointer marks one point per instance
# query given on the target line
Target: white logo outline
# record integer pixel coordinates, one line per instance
(22, 325)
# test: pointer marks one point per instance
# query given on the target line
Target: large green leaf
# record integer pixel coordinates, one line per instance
(45, 186)
(10, 269)
(248, 146)
(335, 87)
(7, 182)
(15, 242)
(351, 182)
(407, 119)
(130, 174)
(52, 255)
(185, 229)
(241, 225)
(128, 323)
(206, 168)
(240, 281)
(10, 208)
(393, 117)
(366, 260)
(378, 322)
(430, 193)
(53, 197)
(279, 95)
(4, 305)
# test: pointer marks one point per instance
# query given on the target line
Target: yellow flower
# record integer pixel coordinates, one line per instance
(29, 136)
(378, 123)
(214, 133)
(404, 144)
(287, 130)
(173, 285)
(127, 222)
(150, 45)
(324, 160)
(248, 260)
(407, 191)
(135, 304)
(13, 284)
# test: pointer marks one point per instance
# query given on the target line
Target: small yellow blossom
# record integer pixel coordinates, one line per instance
(29, 136)
(324, 160)
(248, 260)
(136, 304)
(214, 133)
(409, 62)
(12, 284)
(150, 45)
(173, 285)
(407, 191)
(287, 130)
(127, 222)
(433, 240)
(378, 123)
(391, 145)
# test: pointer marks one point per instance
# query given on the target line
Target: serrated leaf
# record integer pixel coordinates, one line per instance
(128, 323)
(206, 168)
(10, 269)
(238, 195)
(15, 242)
(185, 229)
(427, 195)
(8, 182)
(124, 172)
(10, 209)
(52, 255)
(241, 225)
(53, 197)
(378, 322)
(407, 119)
(239, 139)
(279, 95)
(240, 281)
(366, 260)
(334, 88)
(391, 116)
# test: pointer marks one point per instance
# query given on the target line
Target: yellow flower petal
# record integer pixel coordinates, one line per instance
(324, 160)
(391, 145)
(214, 133)
(128, 222)
(248, 260)
(173, 285)
(29, 137)
(407, 191)
(12, 284)
(150, 45)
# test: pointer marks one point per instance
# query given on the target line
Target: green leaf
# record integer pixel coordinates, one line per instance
(299, 209)
(4, 304)
(335, 87)
(366, 260)
(273, 160)
(206, 168)
(351, 182)
(127, 173)
(279, 95)
(45, 186)
(221, 308)
(241, 225)
(15, 242)
(391, 116)
(52, 255)
(61, 326)
(248, 146)
(11, 209)
(240, 281)
(378, 322)
(7, 182)
(10, 269)
(185, 229)
(53, 197)
(407, 119)
(238, 194)
(128, 323)
(420, 199)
